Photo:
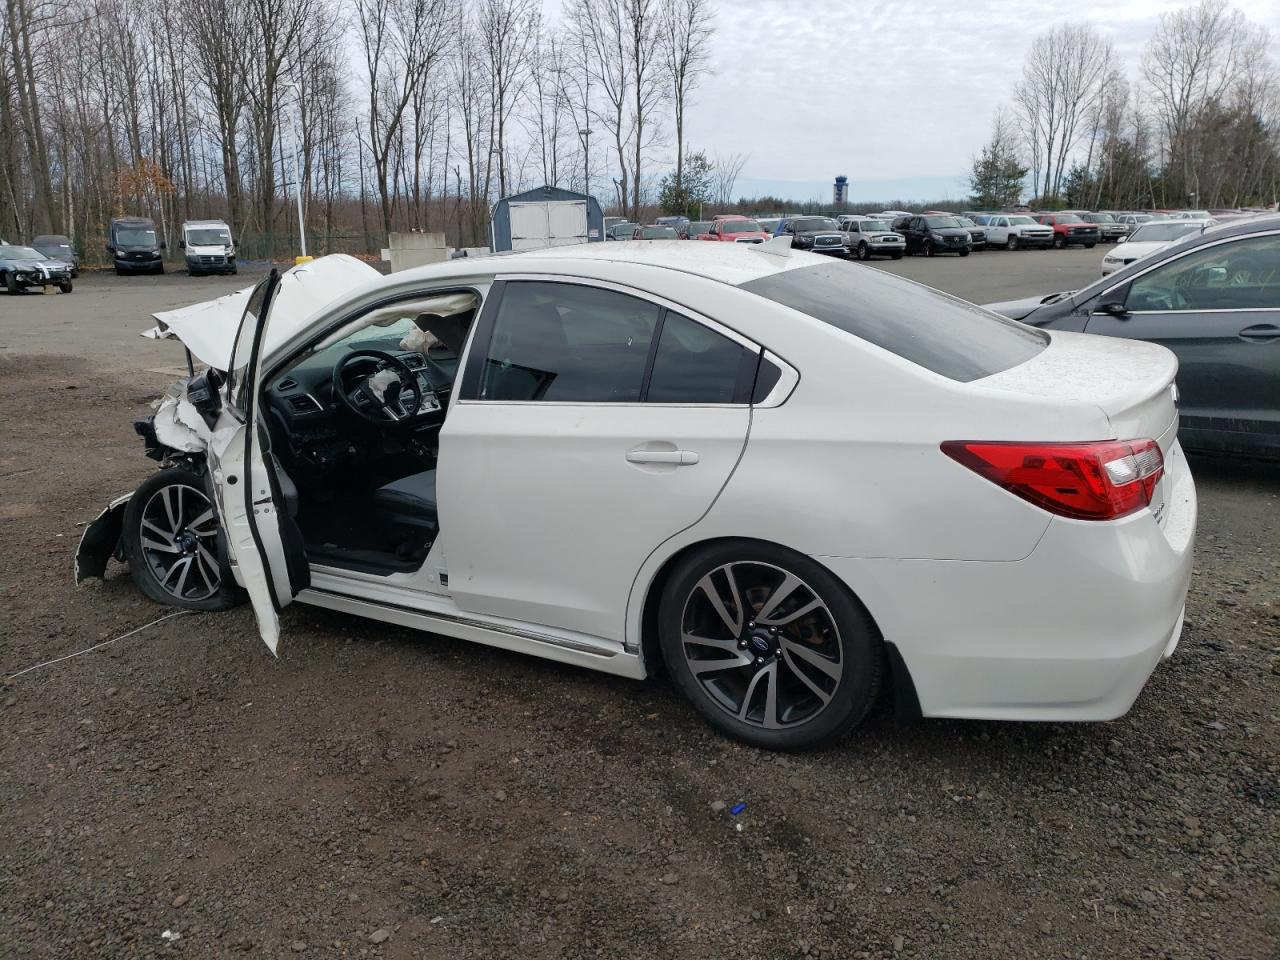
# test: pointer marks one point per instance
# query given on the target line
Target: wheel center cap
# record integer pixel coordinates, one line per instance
(760, 641)
(187, 541)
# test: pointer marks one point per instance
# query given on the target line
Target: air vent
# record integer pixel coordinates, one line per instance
(305, 403)
(288, 383)
(414, 361)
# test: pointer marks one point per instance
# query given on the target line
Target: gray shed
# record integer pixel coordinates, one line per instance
(546, 217)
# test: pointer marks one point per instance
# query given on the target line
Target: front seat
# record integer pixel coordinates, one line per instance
(412, 496)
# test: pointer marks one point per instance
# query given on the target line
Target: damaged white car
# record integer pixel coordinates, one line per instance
(786, 478)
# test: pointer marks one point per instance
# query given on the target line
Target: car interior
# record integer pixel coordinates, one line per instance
(354, 423)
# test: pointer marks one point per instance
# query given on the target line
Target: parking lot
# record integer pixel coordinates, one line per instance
(379, 792)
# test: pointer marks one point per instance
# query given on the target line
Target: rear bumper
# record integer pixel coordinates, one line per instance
(1071, 632)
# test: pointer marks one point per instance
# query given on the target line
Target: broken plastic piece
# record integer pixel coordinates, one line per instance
(737, 808)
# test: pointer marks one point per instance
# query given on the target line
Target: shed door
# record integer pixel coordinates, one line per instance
(530, 229)
(568, 220)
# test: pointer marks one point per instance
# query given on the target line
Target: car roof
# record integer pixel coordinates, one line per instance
(729, 263)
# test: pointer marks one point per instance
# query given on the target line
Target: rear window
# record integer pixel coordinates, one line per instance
(935, 331)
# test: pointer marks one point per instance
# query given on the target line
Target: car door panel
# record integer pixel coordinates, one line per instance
(1218, 309)
(251, 492)
(549, 509)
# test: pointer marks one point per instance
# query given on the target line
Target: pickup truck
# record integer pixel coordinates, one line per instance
(1014, 231)
(1069, 228)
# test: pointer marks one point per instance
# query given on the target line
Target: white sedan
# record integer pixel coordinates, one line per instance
(1147, 239)
(786, 478)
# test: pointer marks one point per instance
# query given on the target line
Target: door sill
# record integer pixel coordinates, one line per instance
(437, 614)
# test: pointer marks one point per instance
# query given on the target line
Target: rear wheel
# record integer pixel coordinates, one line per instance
(770, 647)
(863, 252)
(170, 539)
(1089, 246)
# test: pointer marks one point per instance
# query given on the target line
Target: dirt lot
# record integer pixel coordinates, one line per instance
(376, 792)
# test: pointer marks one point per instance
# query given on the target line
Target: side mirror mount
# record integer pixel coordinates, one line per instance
(1115, 309)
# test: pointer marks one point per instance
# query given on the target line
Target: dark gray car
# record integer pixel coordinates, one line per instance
(23, 267)
(1214, 300)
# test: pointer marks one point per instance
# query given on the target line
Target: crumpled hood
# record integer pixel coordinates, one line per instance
(209, 329)
(1017, 309)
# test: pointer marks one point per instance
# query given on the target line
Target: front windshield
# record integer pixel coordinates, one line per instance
(1069, 218)
(966, 222)
(136, 237)
(941, 223)
(816, 223)
(867, 226)
(209, 237)
(63, 249)
(20, 253)
(1100, 218)
(698, 228)
(1022, 221)
(658, 233)
(740, 226)
(1163, 231)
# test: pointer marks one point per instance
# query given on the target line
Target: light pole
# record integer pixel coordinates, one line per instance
(585, 136)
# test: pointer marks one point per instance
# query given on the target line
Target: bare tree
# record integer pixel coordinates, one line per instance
(726, 170)
(507, 30)
(1062, 80)
(649, 87)
(403, 42)
(686, 34)
(601, 50)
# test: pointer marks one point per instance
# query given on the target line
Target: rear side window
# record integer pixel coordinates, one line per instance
(940, 333)
(694, 364)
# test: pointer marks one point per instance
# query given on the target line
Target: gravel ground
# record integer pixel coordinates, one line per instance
(377, 792)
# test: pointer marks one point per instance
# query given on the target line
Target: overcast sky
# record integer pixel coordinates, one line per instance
(885, 90)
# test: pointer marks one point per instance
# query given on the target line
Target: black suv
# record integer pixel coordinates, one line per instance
(934, 234)
(819, 234)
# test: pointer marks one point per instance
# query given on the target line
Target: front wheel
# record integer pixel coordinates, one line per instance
(896, 256)
(170, 539)
(964, 253)
(928, 249)
(11, 284)
(1059, 243)
(863, 252)
(65, 286)
(1012, 242)
(769, 645)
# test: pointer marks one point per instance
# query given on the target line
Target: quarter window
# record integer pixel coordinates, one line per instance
(1241, 275)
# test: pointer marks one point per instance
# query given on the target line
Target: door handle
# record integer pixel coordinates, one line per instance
(1260, 333)
(679, 458)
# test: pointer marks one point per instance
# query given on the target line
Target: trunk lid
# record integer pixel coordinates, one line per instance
(1131, 382)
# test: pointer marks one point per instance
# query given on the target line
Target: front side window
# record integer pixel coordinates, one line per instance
(1241, 275)
(739, 226)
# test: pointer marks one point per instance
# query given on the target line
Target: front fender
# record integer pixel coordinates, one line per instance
(101, 541)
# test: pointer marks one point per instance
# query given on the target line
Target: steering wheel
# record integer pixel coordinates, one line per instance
(365, 401)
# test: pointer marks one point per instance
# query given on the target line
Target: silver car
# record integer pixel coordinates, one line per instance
(866, 237)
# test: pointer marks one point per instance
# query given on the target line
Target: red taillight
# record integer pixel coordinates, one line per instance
(1086, 481)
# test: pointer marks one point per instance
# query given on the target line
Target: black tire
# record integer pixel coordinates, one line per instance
(896, 256)
(964, 253)
(143, 560)
(1059, 243)
(1013, 242)
(863, 252)
(65, 286)
(928, 249)
(840, 626)
(1089, 246)
(160, 269)
(119, 272)
(11, 284)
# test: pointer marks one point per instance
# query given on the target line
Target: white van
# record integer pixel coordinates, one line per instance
(208, 247)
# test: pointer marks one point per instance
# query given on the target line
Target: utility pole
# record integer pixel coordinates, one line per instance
(585, 136)
(297, 171)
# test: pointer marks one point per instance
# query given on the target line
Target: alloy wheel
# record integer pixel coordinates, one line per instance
(762, 644)
(179, 542)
